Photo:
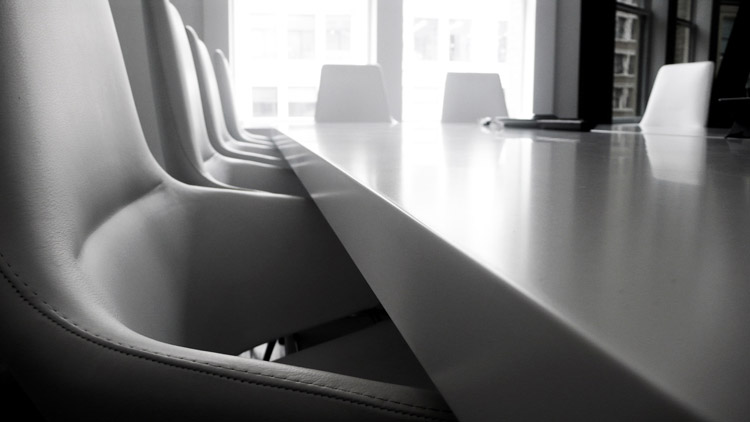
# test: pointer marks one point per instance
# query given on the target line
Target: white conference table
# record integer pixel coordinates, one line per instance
(711, 133)
(545, 276)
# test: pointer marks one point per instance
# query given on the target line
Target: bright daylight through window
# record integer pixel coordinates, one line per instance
(279, 47)
(492, 36)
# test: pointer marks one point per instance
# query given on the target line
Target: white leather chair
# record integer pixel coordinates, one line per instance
(218, 135)
(188, 153)
(680, 97)
(124, 293)
(226, 91)
(351, 93)
(471, 96)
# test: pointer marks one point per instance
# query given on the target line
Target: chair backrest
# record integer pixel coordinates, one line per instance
(76, 182)
(352, 93)
(115, 279)
(226, 91)
(177, 95)
(470, 96)
(214, 113)
(73, 152)
(680, 97)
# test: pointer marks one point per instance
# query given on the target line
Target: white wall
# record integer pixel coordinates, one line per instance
(545, 56)
(210, 19)
(390, 51)
(217, 25)
(192, 13)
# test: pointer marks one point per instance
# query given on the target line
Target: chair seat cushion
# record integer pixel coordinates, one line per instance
(377, 353)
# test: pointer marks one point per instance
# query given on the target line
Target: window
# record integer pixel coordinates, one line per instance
(685, 10)
(502, 41)
(302, 102)
(425, 39)
(683, 43)
(630, 22)
(338, 35)
(625, 63)
(623, 100)
(265, 102)
(626, 24)
(279, 47)
(460, 43)
(301, 37)
(262, 37)
(443, 36)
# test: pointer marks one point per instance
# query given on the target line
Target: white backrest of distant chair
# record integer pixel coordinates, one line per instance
(352, 93)
(471, 96)
(680, 97)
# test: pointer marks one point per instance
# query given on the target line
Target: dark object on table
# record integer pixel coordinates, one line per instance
(578, 125)
(540, 121)
(739, 110)
(518, 123)
(532, 123)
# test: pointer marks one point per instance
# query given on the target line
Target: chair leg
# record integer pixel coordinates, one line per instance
(290, 344)
(269, 350)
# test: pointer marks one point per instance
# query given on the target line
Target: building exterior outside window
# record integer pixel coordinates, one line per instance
(261, 36)
(301, 37)
(685, 9)
(629, 27)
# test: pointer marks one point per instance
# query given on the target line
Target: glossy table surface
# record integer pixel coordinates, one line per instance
(585, 263)
(710, 133)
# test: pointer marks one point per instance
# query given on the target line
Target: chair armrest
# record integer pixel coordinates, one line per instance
(264, 265)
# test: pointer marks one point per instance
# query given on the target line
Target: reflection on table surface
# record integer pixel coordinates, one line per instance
(639, 241)
(717, 133)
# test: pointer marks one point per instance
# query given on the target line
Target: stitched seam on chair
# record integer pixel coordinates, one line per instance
(59, 314)
(105, 346)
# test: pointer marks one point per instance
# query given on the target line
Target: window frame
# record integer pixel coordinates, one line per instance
(674, 23)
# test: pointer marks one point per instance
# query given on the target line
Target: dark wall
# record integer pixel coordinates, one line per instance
(732, 76)
(597, 49)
